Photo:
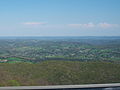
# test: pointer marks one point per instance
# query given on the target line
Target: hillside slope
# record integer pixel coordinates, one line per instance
(58, 73)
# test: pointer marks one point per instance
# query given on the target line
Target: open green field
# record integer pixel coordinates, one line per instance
(14, 58)
(59, 73)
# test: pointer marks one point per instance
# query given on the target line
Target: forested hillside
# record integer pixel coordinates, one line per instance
(58, 73)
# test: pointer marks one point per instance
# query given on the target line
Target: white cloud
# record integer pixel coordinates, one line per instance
(34, 23)
(88, 25)
(107, 25)
(92, 25)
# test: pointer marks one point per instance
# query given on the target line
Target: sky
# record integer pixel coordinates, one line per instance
(59, 17)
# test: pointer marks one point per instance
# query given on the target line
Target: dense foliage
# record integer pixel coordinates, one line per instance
(59, 73)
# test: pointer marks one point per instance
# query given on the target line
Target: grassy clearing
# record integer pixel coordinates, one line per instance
(14, 58)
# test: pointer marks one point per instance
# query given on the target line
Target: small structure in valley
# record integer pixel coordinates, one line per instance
(4, 60)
